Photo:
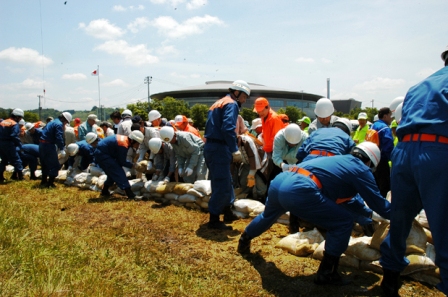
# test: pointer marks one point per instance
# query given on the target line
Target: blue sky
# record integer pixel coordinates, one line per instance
(370, 50)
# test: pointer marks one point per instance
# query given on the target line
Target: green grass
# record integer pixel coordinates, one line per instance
(70, 242)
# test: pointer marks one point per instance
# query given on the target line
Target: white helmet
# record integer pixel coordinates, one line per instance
(155, 144)
(166, 133)
(137, 136)
(91, 137)
(153, 115)
(324, 108)
(67, 116)
(368, 150)
(126, 112)
(343, 124)
(22, 122)
(398, 113)
(29, 126)
(240, 85)
(444, 54)
(393, 105)
(376, 118)
(18, 112)
(293, 134)
(72, 149)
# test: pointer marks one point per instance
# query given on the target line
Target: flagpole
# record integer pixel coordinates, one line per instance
(99, 94)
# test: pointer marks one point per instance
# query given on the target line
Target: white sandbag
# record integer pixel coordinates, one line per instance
(418, 263)
(239, 214)
(422, 219)
(148, 186)
(62, 176)
(141, 166)
(101, 180)
(345, 260)
(119, 191)
(69, 181)
(94, 187)
(83, 185)
(9, 168)
(95, 171)
(186, 198)
(359, 248)
(285, 216)
(424, 277)
(171, 196)
(181, 188)
(428, 235)
(156, 195)
(127, 171)
(206, 198)
(257, 211)
(246, 205)
(283, 222)
(195, 193)
(38, 173)
(83, 177)
(203, 186)
(204, 205)
(301, 243)
(94, 180)
(192, 205)
(430, 252)
(136, 185)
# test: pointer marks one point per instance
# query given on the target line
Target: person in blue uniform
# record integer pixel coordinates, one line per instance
(10, 144)
(29, 155)
(419, 176)
(83, 149)
(52, 143)
(312, 191)
(219, 150)
(110, 155)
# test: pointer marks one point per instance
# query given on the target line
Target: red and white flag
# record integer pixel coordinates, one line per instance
(95, 72)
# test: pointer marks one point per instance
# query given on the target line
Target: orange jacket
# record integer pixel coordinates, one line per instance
(271, 124)
(191, 129)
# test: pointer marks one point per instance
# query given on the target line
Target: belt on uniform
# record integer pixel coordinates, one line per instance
(321, 153)
(307, 174)
(425, 138)
(45, 141)
(212, 140)
(342, 200)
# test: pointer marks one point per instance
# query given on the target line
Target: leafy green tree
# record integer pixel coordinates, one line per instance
(199, 115)
(281, 110)
(139, 108)
(173, 107)
(31, 117)
(248, 114)
(293, 113)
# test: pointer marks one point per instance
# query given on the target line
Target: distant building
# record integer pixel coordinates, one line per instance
(346, 105)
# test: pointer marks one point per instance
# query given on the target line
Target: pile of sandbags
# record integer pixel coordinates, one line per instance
(301, 244)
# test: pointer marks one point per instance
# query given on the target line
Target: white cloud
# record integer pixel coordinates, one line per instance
(74, 76)
(341, 95)
(424, 73)
(380, 83)
(116, 83)
(305, 60)
(138, 24)
(135, 55)
(31, 84)
(194, 4)
(166, 50)
(171, 2)
(102, 29)
(326, 61)
(170, 27)
(118, 8)
(24, 55)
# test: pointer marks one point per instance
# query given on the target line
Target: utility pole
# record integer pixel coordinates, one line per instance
(40, 108)
(301, 103)
(148, 80)
(372, 103)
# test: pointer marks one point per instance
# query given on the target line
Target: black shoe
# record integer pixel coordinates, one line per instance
(244, 244)
(14, 176)
(129, 193)
(293, 224)
(105, 191)
(328, 272)
(390, 283)
(19, 175)
(229, 216)
(216, 224)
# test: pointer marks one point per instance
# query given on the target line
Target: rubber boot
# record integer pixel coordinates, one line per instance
(390, 283)
(19, 175)
(244, 244)
(105, 191)
(215, 223)
(44, 182)
(229, 216)
(51, 184)
(293, 224)
(33, 176)
(14, 176)
(2, 178)
(328, 273)
(129, 193)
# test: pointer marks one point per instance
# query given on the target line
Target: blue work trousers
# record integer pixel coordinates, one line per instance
(218, 159)
(29, 160)
(9, 155)
(113, 170)
(299, 195)
(49, 159)
(419, 180)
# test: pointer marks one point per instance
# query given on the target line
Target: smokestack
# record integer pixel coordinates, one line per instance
(328, 88)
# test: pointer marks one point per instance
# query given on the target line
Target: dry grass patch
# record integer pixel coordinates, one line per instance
(70, 242)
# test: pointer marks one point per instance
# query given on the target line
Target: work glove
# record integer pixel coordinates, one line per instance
(376, 217)
(63, 154)
(160, 179)
(155, 177)
(285, 167)
(166, 179)
(70, 168)
(237, 157)
(250, 181)
(188, 171)
(180, 171)
(149, 166)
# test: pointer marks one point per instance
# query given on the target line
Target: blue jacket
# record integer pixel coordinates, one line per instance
(345, 176)
(113, 147)
(31, 149)
(9, 131)
(85, 151)
(386, 139)
(332, 140)
(53, 133)
(425, 107)
(221, 122)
